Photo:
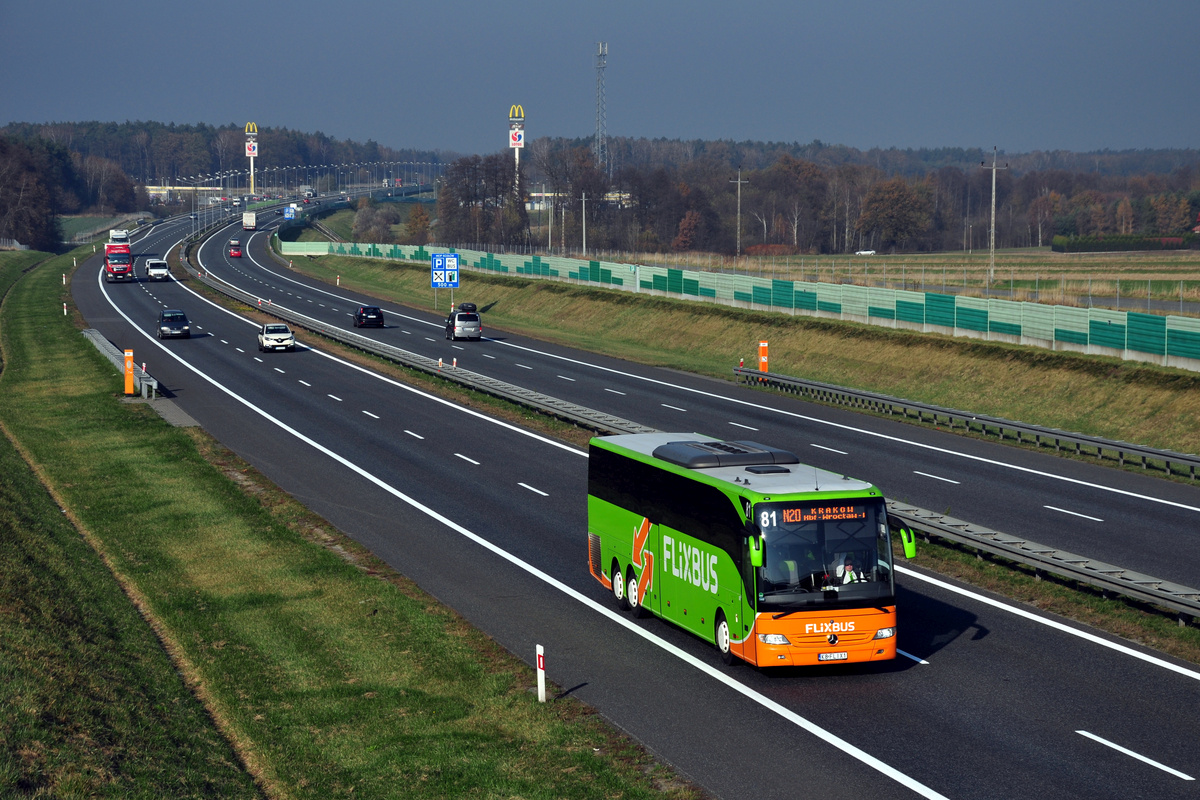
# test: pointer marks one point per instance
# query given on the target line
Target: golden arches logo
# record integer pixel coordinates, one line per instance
(516, 112)
(251, 129)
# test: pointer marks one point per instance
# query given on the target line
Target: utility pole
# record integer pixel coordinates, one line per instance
(739, 183)
(585, 224)
(992, 233)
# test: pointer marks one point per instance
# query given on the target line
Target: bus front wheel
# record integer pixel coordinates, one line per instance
(721, 635)
(618, 586)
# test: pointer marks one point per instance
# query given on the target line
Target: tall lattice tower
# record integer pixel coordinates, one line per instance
(600, 147)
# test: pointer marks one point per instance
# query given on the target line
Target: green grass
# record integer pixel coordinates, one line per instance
(327, 679)
(341, 222)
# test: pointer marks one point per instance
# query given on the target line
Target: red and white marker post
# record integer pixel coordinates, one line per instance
(541, 673)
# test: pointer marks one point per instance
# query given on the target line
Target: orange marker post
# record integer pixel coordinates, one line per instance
(762, 357)
(128, 372)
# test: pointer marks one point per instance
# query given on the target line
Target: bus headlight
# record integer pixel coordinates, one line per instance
(885, 633)
(773, 638)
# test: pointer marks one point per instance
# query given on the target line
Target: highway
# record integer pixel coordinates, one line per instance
(990, 700)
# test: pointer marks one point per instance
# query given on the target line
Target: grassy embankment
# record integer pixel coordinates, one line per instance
(327, 672)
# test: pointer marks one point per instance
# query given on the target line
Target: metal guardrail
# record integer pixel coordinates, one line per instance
(1173, 463)
(1107, 577)
(1181, 599)
(142, 380)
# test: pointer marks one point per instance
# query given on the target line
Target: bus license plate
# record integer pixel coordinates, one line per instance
(832, 656)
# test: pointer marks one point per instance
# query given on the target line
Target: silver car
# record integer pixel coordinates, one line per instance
(464, 323)
(276, 336)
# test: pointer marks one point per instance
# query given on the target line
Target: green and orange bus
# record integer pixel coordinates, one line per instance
(773, 561)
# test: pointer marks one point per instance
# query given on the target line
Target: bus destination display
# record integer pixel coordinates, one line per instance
(824, 513)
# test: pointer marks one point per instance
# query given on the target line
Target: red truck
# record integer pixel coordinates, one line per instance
(118, 262)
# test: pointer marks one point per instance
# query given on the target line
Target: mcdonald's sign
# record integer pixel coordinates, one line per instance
(251, 129)
(516, 113)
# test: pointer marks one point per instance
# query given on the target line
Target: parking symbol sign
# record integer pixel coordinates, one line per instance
(443, 271)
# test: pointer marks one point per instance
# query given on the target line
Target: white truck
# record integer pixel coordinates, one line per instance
(157, 270)
(249, 221)
(118, 236)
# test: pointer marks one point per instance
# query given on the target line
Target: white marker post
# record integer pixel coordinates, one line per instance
(541, 673)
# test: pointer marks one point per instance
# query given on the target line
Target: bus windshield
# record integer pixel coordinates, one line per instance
(823, 553)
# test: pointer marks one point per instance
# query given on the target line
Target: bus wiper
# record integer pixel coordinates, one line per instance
(782, 614)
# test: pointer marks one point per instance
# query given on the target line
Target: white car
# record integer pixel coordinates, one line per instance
(157, 270)
(865, 253)
(276, 336)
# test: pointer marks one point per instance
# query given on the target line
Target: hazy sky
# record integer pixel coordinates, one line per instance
(441, 74)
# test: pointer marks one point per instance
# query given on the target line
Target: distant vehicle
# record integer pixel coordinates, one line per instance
(237, 203)
(157, 269)
(118, 262)
(235, 248)
(118, 236)
(368, 316)
(173, 323)
(249, 221)
(279, 212)
(865, 253)
(276, 336)
(464, 322)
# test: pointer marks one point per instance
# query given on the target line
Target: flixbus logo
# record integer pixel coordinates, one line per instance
(690, 564)
(829, 627)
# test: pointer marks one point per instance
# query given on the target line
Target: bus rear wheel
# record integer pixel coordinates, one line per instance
(618, 586)
(721, 636)
(632, 596)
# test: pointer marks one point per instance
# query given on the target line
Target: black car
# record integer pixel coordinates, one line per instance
(368, 316)
(173, 322)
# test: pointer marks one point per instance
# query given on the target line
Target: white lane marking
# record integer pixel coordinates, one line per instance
(281, 372)
(406, 333)
(259, 360)
(830, 449)
(456, 347)
(240, 350)
(485, 355)
(1138, 756)
(522, 366)
(372, 416)
(673, 408)
(416, 435)
(936, 477)
(862, 431)
(430, 340)
(914, 658)
(1051, 623)
(565, 378)
(224, 342)
(335, 397)
(322, 305)
(740, 425)
(614, 391)
(306, 383)
(464, 458)
(1073, 513)
(530, 488)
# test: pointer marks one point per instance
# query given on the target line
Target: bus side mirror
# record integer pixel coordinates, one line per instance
(909, 540)
(754, 542)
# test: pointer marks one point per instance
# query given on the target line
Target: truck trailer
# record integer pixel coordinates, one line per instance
(249, 221)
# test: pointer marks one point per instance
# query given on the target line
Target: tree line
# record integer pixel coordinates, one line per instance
(674, 195)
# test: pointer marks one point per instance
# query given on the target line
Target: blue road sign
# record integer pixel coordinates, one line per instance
(444, 271)
(289, 213)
